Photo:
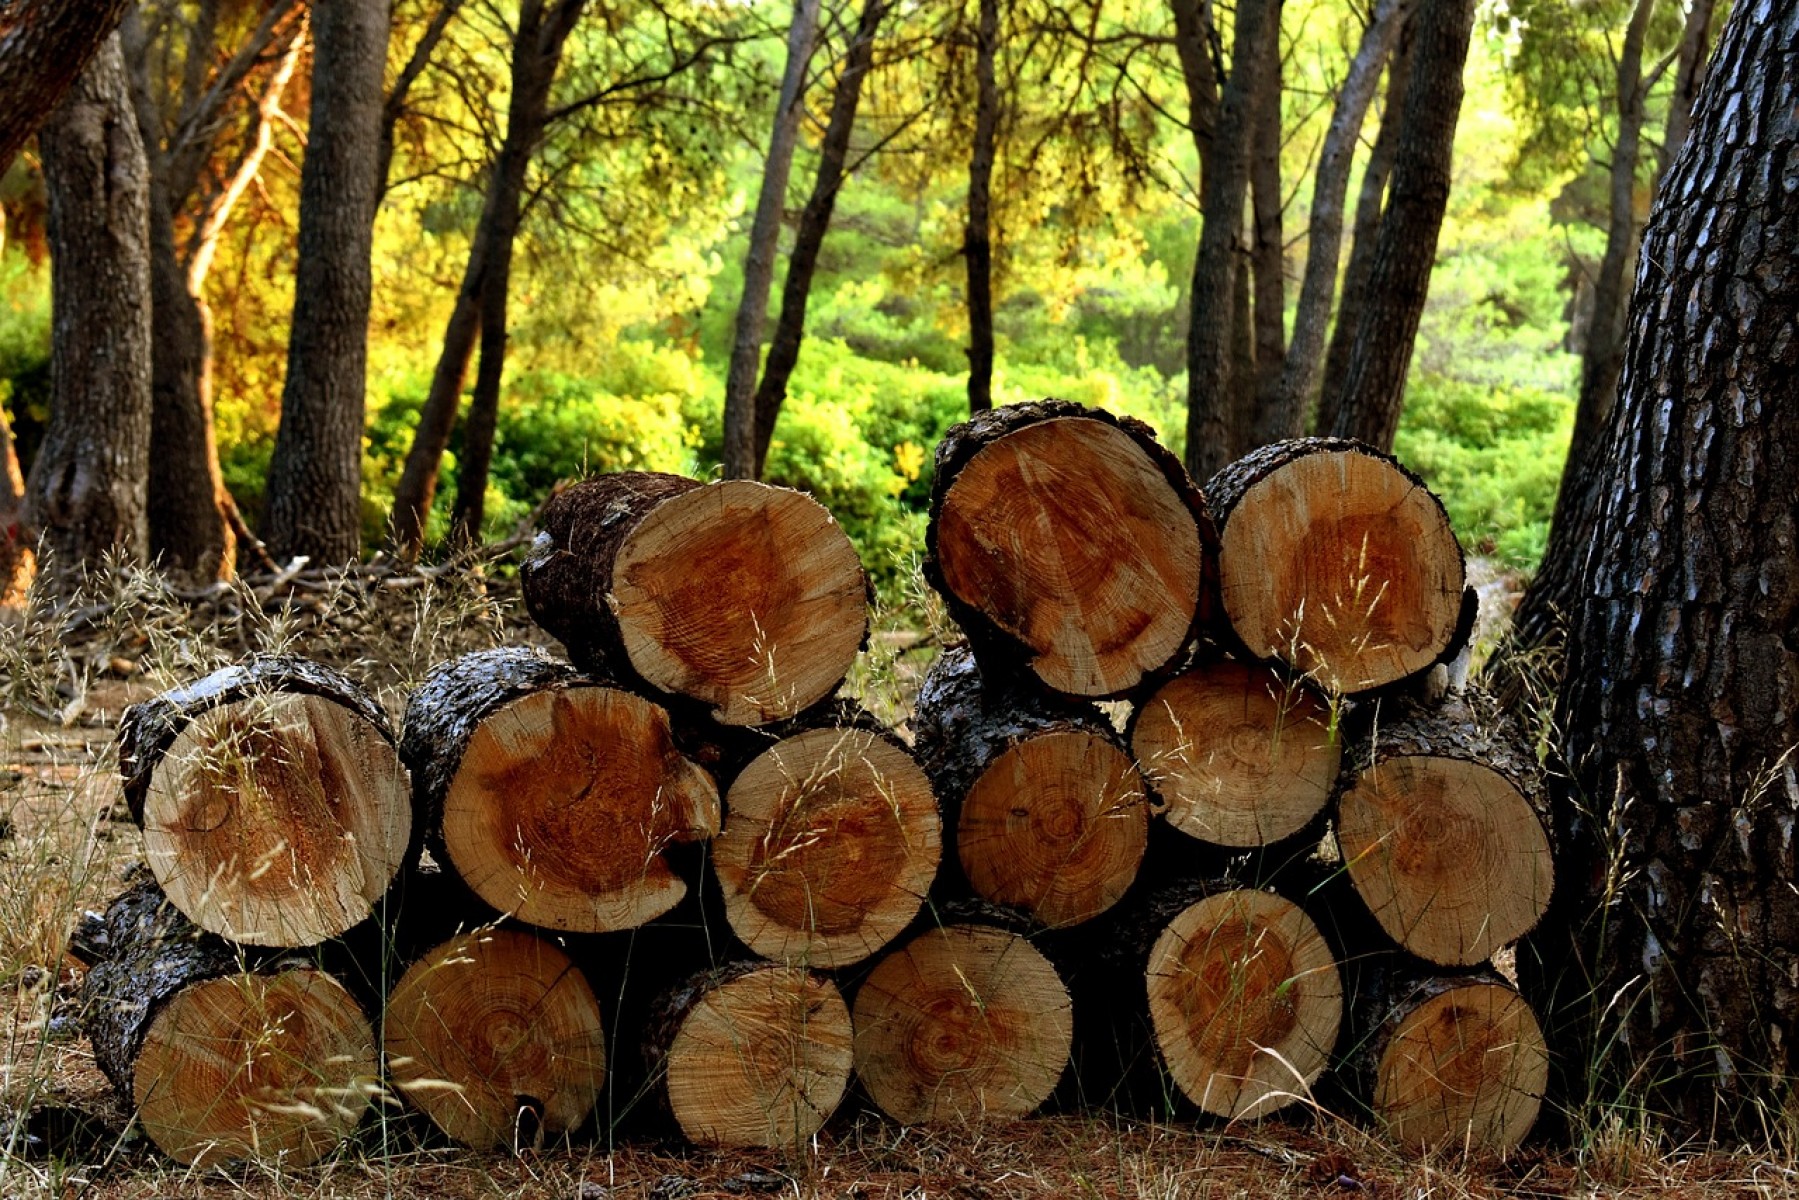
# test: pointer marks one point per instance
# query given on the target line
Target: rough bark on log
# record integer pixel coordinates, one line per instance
(556, 799)
(224, 1055)
(744, 597)
(1444, 830)
(830, 848)
(1068, 538)
(1337, 561)
(274, 807)
(967, 1021)
(1239, 755)
(1047, 810)
(750, 1054)
(496, 1036)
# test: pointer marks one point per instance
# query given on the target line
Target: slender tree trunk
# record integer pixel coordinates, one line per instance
(86, 492)
(1677, 714)
(1285, 417)
(1689, 77)
(1209, 444)
(765, 235)
(977, 245)
(1369, 203)
(315, 477)
(1399, 278)
(1268, 248)
(394, 107)
(1240, 383)
(815, 220)
(17, 562)
(417, 487)
(44, 45)
(470, 509)
(1192, 42)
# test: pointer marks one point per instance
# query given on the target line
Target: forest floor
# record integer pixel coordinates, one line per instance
(65, 838)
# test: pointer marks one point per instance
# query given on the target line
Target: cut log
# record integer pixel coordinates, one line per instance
(1444, 832)
(1456, 1063)
(555, 799)
(1337, 561)
(831, 845)
(1239, 755)
(496, 1037)
(744, 597)
(964, 1022)
(275, 810)
(751, 1054)
(224, 1056)
(1049, 813)
(1070, 538)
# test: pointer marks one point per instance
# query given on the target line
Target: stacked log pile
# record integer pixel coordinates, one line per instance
(676, 882)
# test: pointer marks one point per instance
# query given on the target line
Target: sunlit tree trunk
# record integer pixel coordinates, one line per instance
(977, 245)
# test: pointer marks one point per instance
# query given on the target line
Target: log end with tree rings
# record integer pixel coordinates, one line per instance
(962, 1023)
(1056, 826)
(278, 1068)
(277, 819)
(1074, 538)
(1238, 755)
(1449, 855)
(745, 597)
(831, 845)
(1335, 560)
(755, 1055)
(1463, 1068)
(1246, 1002)
(564, 803)
(495, 1035)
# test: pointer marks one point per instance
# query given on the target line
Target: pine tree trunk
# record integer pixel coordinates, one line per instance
(1689, 76)
(1399, 277)
(1286, 416)
(315, 476)
(86, 493)
(44, 47)
(815, 221)
(977, 244)
(1675, 712)
(1192, 43)
(765, 236)
(470, 509)
(1209, 409)
(1268, 247)
(17, 561)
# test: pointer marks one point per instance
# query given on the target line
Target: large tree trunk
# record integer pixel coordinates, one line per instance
(44, 46)
(1370, 201)
(1209, 444)
(815, 220)
(315, 477)
(1678, 711)
(1399, 278)
(86, 493)
(977, 243)
(765, 235)
(1285, 417)
(1267, 248)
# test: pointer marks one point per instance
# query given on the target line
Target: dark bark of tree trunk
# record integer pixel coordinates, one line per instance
(977, 245)
(1192, 42)
(470, 509)
(1678, 711)
(1399, 277)
(1268, 249)
(315, 477)
(815, 220)
(1241, 382)
(765, 235)
(1689, 77)
(1366, 233)
(1285, 417)
(44, 46)
(1209, 444)
(86, 493)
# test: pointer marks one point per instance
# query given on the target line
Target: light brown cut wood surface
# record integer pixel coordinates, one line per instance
(279, 820)
(279, 1068)
(831, 844)
(564, 803)
(1057, 826)
(1069, 538)
(1239, 756)
(962, 1023)
(490, 1023)
(1246, 1001)
(746, 597)
(1339, 565)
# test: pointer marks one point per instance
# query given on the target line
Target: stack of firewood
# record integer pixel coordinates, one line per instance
(676, 879)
